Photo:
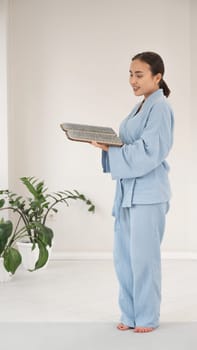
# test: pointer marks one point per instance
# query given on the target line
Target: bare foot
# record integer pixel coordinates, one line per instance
(123, 327)
(143, 329)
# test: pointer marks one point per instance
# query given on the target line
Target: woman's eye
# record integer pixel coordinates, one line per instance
(137, 76)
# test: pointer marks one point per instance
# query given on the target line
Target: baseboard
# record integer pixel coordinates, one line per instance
(81, 256)
(108, 256)
(179, 255)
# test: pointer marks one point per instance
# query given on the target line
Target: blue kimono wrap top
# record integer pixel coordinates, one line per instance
(139, 166)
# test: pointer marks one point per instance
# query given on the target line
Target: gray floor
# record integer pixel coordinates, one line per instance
(73, 304)
(95, 336)
(87, 291)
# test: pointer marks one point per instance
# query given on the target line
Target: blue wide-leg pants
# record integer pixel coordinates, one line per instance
(138, 234)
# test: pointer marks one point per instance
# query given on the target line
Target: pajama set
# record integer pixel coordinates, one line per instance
(140, 205)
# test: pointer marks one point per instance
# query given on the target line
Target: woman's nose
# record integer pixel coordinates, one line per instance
(132, 80)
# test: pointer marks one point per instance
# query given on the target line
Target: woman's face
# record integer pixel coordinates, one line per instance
(142, 80)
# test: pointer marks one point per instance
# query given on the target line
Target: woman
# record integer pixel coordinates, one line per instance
(142, 194)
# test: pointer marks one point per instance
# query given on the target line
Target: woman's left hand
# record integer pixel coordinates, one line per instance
(100, 145)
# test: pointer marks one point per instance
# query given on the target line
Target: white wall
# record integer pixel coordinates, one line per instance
(3, 96)
(193, 183)
(68, 61)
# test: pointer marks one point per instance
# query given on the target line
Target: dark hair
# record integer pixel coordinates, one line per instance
(156, 66)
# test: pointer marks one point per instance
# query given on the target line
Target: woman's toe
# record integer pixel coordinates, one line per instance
(122, 327)
(143, 329)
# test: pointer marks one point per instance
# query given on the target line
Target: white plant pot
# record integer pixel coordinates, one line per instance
(5, 276)
(29, 256)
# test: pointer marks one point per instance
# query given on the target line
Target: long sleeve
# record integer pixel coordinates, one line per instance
(149, 151)
(105, 162)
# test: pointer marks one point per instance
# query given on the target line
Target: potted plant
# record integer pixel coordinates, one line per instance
(10, 258)
(33, 213)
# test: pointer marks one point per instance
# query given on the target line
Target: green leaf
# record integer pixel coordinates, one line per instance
(18, 198)
(35, 190)
(77, 192)
(52, 196)
(58, 194)
(12, 259)
(5, 232)
(43, 255)
(4, 192)
(33, 180)
(92, 208)
(81, 196)
(2, 202)
(45, 234)
(12, 195)
(33, 245)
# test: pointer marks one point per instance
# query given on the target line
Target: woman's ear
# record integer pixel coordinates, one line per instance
(158, 78)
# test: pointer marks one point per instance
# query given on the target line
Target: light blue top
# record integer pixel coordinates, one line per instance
(139, 166)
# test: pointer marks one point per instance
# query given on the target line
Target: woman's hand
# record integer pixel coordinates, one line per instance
(100, 145)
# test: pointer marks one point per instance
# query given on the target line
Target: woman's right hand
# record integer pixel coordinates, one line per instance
(100, 145)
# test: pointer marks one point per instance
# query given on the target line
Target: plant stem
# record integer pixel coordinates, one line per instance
(22, 215)
(48, 210)
(15, 236)
(17, 225)
(53, 204)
